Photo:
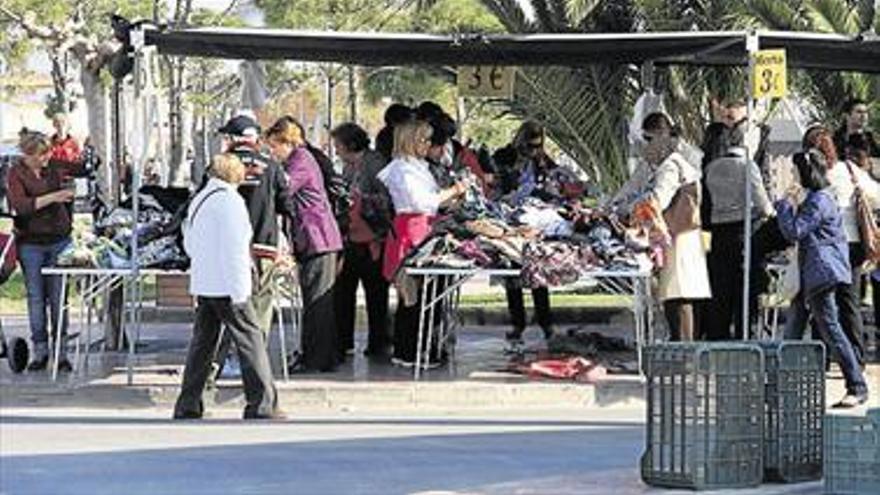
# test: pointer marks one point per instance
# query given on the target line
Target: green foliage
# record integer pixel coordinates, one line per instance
(409, 85)
(336, 15)
(456, 16)
(826, 90)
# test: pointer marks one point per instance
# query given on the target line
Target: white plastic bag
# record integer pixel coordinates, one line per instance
(791, 277)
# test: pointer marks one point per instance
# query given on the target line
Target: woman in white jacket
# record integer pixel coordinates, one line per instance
(684, 278)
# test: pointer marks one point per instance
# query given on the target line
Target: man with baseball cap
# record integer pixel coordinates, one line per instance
(265, 194)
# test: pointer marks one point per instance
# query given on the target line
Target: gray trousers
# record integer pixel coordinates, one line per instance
(241, 325)
(261, 300)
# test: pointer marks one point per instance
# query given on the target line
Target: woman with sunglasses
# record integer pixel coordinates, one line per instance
(684, 277)
(524, 170)
(40, 200)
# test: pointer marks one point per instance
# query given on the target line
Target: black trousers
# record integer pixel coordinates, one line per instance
(360, 267)
(406, 326)
(724, 262)
(317, 275)
(516, 307)
(849, 304)
(256, 375)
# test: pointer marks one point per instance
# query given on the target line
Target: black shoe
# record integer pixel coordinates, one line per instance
(64, 366)
(549, 332)
(514, 335)
(382, 351)
(276, 415)
(188, 415)
(18, 355)
(38, 364)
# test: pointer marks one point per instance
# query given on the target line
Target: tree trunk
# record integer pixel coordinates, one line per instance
(180, 130)
(352, 94)
(95, 94)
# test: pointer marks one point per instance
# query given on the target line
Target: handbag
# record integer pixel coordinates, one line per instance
(868, 231)
(683, 212)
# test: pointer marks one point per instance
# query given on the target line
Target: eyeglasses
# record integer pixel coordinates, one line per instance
(647, 138)
(536, 145)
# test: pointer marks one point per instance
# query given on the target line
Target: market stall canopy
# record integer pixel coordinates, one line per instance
(805, 50)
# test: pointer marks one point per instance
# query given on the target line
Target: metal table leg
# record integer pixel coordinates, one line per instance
(422, 311)
(62, 307)
(128, 331)
(281, 334)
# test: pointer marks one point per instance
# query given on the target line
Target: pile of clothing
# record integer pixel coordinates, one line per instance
(551, 244)
(108, 244)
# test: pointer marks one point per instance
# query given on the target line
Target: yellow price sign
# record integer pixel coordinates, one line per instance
(769, 74)
(485, 81)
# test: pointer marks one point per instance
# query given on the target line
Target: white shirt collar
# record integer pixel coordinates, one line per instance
(213, 181)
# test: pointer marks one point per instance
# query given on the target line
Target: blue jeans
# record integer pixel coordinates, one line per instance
(796, 319)
(823, 307)
(41, 289)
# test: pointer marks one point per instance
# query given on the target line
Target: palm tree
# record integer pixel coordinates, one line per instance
(826, 90)
(584, 109)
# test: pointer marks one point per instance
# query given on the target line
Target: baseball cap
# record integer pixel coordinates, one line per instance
(241, 125)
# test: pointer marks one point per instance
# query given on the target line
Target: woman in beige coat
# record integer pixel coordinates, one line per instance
(684, 278)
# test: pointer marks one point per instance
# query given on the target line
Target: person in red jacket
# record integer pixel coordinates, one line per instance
(66, 150)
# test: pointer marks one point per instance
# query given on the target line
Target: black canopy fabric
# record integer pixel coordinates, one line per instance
(804, 50)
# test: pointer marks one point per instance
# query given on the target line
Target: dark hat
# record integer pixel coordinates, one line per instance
(241, 125)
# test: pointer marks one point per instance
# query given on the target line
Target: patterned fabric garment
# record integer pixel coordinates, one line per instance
(551, 264)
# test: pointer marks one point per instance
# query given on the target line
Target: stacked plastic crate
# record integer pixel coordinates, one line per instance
(852, 454)
(705, 415)
(795, 407)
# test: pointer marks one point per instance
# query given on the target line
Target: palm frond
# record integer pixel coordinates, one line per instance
(775, 14)
(867, 15)
(544, 16)
(578, 10)
(510, 14)
(584, 111)
(833, 16)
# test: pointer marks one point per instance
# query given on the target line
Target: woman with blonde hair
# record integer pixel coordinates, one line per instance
(316, 241)
(39, 199)
(416, 198)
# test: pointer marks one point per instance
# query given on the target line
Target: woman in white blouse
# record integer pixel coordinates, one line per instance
(416, 198)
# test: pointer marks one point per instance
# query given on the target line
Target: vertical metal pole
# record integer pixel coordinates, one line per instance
(116, 170)
(329, 109)
(752, 46)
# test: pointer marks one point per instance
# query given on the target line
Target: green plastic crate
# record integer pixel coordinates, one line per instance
(705, 415)
(852, 454)
(795, 407)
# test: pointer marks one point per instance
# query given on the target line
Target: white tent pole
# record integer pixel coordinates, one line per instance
(752, 46)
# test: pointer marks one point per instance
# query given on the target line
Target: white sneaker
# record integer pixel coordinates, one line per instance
(401, 363)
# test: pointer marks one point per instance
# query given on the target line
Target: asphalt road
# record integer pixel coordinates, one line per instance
(64, 451)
